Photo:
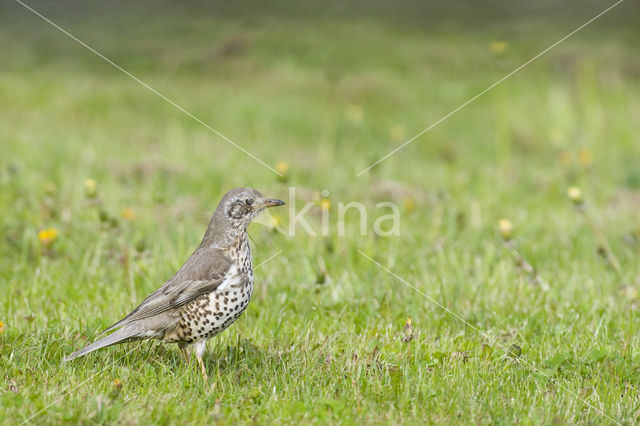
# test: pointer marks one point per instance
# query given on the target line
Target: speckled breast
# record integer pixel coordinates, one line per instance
(212, 313)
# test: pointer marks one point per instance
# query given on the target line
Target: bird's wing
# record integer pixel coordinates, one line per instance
(202, 273)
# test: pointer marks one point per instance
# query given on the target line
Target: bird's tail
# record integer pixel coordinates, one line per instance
(125, 334)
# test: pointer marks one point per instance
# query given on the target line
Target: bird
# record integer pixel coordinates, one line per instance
(208, 293)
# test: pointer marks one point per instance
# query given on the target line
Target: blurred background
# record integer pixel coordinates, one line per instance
(105, 188)
(338, 84)
(319, 92)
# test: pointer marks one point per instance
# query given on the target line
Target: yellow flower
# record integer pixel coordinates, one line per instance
(128, 213)
(506, 229)
(1, 327)
(90, 188)
(409, 204)
(408, 331)
(282, 167)
(274, 221)
(408, 324)
(325, 204)
(116, 388)
(397, 133)
(575, 194)
(585, 158)
(48, 236)
(498, 47)
(354, 113)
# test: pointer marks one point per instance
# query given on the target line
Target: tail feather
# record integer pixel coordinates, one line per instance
(112, 327)
(123, 335)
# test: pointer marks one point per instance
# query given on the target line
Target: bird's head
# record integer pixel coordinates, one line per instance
(236, 210)
(242, 205)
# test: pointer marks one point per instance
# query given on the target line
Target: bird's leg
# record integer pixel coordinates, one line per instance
(204, 370)
(183, 348)
(199, 350)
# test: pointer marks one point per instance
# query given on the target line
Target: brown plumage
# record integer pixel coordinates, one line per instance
(208, 293)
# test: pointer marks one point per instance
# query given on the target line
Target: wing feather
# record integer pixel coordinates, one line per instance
(202, 273)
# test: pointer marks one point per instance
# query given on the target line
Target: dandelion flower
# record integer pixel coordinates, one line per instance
(275, 221)
(498, 47)
(506, 228)
(585, 158)
(325, 204)
(116, 388)
(90, 188)
(409, 204)
(408, 331)
(48, 236)
(408, 326)
(1, 327)
(575, 194)
(128, 213)
(282, 167)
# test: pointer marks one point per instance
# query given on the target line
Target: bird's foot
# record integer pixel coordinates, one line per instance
(204, 370)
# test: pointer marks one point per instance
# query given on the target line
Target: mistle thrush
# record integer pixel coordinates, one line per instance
(208, 293)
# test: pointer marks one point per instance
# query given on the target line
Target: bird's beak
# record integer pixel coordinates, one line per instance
(272, 202)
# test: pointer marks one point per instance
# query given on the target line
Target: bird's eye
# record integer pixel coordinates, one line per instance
(249, 201)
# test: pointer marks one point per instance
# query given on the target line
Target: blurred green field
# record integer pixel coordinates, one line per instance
(326, 92)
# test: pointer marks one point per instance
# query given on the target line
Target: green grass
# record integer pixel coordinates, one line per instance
(322, 338)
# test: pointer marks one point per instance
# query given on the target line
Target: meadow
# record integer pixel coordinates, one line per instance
(509, 295)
